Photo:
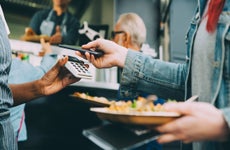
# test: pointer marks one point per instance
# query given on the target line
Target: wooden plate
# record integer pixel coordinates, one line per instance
(136, 118)
(92, 102)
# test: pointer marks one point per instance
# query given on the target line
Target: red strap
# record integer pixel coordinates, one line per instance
(214, 10)
(20, 126)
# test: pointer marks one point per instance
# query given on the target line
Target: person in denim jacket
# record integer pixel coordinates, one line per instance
(206, 73)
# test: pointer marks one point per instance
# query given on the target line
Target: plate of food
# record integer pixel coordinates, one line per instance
(138, 112)
(94, 100)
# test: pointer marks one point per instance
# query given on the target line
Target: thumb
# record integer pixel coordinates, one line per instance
(42, 41)
(61, 62)
(58, 29)
(29, 31)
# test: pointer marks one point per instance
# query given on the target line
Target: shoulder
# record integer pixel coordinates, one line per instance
(72, 20)
(42, 13)
(71, 17)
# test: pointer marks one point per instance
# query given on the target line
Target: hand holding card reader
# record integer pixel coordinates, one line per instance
(96, 53)
(78, 68)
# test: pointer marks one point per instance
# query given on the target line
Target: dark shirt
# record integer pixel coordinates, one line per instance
(72, 25)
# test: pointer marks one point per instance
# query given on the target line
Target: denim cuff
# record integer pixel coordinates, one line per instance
(48, 61)
(226, 113)
(129, 78)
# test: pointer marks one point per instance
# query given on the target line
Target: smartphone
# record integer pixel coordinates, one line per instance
(96, 53)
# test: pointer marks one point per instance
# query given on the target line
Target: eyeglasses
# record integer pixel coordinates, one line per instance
(113, 33)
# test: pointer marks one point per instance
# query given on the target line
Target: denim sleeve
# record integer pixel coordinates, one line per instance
(226, 113)
(21, 72)
(48, 61)
(35, 23)
(37, 19)
(142, 73)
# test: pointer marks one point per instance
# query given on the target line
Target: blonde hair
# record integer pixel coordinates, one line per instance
(134, 25)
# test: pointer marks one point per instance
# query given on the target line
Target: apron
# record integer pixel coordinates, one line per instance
(47, 26)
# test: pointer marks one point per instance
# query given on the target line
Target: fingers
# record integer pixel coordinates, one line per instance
(94, 44)
(62, 61)
(42, 41)
(29, 31)
(166, 138)
(58, 29)
(80, 54)
(173, 126)
(45, 47)
(57, 67)
(179, 107)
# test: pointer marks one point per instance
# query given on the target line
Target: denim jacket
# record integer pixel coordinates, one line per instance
(170, 80)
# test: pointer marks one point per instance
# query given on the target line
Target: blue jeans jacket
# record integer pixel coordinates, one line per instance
(21, 72)
(169, 80)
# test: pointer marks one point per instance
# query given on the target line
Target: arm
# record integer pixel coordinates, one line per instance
(21, 72)
(195, 124)
(56, 38)
(36, 21)
(140, 72)
(53, 81)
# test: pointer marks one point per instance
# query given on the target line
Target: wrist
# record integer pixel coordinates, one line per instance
(38, 88)
(122, 57)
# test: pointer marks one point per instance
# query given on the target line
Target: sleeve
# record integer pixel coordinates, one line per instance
(142, 73)
(25, 72)
(48, 62)
(36, 21)
(72, 31)
(226, 113)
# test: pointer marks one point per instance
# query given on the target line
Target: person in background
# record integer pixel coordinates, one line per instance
(53, 81)
(130, 32)
(205, 73)
(58, 23)
(21, 72)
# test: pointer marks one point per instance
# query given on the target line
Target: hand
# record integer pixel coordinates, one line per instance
(114, 55)
(57, 78)
(29, 31)
(199, 121)
(57, 37)
(46, 49)
(29, 35)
